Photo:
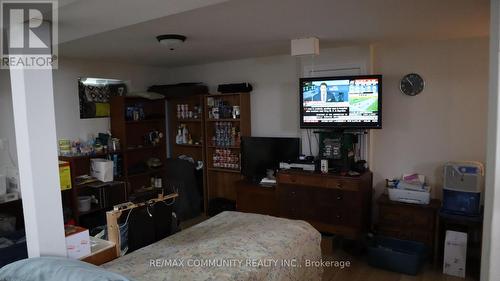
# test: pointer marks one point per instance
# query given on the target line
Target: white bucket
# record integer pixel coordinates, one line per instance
(84, 203)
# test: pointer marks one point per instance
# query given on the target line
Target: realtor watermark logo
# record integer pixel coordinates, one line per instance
(29, 36)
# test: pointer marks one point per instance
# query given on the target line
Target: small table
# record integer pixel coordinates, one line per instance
(410, 222)
(101, 251)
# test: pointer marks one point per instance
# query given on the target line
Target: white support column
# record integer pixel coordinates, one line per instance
(490, 259)
(33, 102)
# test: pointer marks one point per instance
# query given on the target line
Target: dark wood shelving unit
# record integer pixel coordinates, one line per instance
(116, 190)
(221, 182)
(132, 135)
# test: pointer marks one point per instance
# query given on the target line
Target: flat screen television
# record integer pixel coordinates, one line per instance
(260, 153)
(343, 102)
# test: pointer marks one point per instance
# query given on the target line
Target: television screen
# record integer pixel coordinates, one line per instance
(259, 154)
(341, 102)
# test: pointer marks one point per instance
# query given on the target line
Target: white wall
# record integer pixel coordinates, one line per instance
(274, 100)
(446, 122)
(68, 122)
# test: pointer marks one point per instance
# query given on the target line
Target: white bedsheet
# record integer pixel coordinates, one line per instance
(229, 246)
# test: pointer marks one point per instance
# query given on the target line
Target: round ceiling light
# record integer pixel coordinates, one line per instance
(171, 41)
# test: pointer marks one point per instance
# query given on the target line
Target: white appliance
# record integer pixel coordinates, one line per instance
(416, 192)
(462, 188)
(101, 169)
(298, 166)
(410, 196)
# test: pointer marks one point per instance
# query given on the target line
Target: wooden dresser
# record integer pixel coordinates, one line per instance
(331, 203)
(409, 221)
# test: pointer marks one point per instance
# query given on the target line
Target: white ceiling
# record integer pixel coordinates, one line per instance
(250, 28)
(82, 18)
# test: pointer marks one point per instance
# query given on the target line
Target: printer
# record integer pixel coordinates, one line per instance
(298, 165)
(411, 188)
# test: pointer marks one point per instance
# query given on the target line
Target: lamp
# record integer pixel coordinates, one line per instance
(171, 41)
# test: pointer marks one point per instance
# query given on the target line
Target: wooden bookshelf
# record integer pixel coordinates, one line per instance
(222, 176)
(133, 134)
(196, 127)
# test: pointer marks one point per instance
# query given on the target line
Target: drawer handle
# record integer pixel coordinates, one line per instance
(338, 216)
(339, 186)
(339, 197)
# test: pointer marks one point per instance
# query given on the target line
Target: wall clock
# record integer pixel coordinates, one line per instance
(412, 84)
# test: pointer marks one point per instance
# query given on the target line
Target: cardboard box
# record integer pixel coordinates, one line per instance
(64, 175)
(77, 242)
(101, 169)
(455, 253)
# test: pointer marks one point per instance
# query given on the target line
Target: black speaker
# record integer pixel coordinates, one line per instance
(235, 88)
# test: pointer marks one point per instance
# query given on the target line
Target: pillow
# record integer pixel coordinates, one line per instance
(56, 268)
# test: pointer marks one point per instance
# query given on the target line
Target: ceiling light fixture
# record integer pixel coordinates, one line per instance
(171, 41)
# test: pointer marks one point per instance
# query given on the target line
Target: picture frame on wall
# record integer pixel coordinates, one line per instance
(94, 96)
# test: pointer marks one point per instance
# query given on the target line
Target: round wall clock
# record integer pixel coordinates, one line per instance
(412, 84)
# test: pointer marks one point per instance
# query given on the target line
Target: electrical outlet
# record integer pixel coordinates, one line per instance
(3, 144)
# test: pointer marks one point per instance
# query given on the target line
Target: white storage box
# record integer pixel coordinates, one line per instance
(77, 242)
(455, 253)
(410, 196)
(101, 169)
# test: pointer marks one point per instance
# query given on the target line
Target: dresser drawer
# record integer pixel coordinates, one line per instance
(390, 215)
(345, 217)
(319, 181)
(342, 184)
(338, 199)
(423, 236)
(307, 180)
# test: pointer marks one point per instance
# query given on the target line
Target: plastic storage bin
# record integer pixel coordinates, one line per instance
(396, 255)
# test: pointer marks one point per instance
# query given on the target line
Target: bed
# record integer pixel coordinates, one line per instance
(229, 246)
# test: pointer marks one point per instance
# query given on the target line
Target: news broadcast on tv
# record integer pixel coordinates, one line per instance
(340, 101)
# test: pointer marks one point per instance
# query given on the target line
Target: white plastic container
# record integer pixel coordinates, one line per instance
(84, 203)
(101, 169)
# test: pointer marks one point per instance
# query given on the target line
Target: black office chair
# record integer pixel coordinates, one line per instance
(182, 177)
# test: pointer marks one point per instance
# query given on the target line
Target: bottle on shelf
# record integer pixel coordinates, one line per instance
(178, 138)
(185, 134)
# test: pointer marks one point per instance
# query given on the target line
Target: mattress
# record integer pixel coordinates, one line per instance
(229, 246)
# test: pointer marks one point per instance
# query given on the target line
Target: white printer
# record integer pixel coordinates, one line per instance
(411, 188)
